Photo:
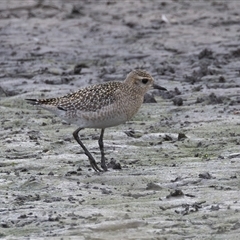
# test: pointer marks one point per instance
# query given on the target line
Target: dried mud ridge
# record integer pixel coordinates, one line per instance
(179, 156)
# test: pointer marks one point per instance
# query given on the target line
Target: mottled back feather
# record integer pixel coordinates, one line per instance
(89, 99)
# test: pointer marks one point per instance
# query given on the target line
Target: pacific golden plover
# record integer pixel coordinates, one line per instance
(101, 106)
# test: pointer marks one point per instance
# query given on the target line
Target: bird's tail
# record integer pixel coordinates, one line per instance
(48, 101)
(33, 101)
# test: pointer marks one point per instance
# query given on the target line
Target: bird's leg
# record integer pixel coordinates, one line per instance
(90, 157)
(101, 147)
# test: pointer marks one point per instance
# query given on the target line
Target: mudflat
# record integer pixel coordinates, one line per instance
(180, 155)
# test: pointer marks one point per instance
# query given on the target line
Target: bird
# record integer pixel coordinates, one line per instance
(101, 106)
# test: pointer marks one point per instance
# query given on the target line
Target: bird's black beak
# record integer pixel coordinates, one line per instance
(155, 86)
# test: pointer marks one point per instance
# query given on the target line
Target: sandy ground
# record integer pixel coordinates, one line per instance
(180, 156)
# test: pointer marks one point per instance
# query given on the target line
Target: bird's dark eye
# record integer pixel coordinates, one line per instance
(144, 80)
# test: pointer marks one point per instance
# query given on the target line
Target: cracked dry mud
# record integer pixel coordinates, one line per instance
(180, 156)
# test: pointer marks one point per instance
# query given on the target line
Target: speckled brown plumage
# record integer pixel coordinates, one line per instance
(88, 99)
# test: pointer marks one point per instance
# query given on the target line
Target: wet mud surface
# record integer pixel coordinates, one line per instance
(180, 155)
